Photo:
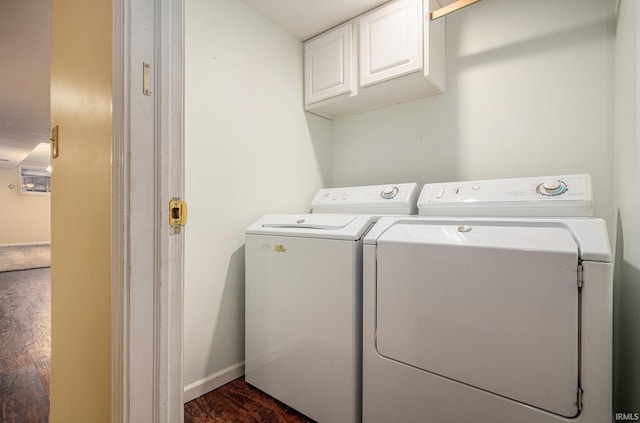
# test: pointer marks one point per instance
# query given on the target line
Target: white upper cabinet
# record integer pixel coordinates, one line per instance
(390, 42)
(327, 63)
(389, 55)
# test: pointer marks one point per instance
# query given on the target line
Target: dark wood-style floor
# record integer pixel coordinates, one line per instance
(25, 345)
(239, 402)
(25, 350)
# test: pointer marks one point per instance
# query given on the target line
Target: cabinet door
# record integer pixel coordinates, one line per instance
(391, 41)
(327, 61)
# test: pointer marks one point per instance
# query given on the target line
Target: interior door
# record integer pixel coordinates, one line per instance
(495, 307)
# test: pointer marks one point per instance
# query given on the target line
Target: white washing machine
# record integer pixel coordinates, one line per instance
(303, 318)
(480, 313)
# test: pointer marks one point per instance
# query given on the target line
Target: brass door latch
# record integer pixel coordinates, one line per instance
(177, 213)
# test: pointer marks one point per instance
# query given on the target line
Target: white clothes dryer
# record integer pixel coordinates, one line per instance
(303, 292)
(482, 314)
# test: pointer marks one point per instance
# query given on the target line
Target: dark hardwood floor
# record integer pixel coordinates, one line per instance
(239, 402)
(25, 345)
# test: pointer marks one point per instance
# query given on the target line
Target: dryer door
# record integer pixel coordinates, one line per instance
(494, 307)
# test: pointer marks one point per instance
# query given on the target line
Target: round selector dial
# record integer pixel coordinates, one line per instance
(552, 187)
(389, 193)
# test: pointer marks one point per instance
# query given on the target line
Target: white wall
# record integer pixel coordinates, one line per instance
(249, 151)
(626, 209)
(26, 219)
(528, 93)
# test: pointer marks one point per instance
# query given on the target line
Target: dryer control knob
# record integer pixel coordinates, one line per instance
(389, 193)
(552, 187)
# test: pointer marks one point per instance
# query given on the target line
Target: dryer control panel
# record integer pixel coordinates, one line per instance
(372, 199)
(560, 195)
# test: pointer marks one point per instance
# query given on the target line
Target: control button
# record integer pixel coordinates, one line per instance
(389, 193)
(475, 187)
(463, 228)
(457, 190)
(437, 192)
(335, 195)
(552, 187)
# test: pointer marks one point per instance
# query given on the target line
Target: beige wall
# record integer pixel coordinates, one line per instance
(26, 219)
(249, 150)
(80, 208)
(528, 94)
(626, 189)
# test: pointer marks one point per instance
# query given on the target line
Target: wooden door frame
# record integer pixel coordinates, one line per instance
(147, 171)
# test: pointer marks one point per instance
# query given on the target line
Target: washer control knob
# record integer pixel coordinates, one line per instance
(552, 187)
(389, 193)
(551, 184)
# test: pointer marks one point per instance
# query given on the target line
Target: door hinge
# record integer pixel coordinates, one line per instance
(580, 277)
(177, 214)
(579, 399)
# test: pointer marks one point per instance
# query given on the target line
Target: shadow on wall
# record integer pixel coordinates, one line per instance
(230, 318)
(320, 135)
(539, 44)
(626, 331)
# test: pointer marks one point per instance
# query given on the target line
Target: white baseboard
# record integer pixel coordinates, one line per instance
(211, 382)
(25, 244)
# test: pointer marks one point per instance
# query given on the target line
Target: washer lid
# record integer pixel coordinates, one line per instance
(492, 306)
(312, 221)
(332, 226)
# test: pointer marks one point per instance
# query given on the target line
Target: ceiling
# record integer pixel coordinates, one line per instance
(25, 39)
(307, 18)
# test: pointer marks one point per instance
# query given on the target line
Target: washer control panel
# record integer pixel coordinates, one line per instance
(372, 199)
(563, 195)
